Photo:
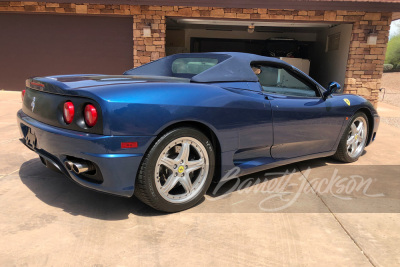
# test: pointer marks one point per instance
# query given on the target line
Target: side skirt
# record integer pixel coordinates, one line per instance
(274, 164)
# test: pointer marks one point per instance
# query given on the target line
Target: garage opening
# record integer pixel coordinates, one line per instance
(317, 48)
(43, 44)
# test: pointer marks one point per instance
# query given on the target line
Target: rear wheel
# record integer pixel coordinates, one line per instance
(354, 139)
(177, 170)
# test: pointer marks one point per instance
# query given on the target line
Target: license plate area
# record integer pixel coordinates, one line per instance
(30, 138)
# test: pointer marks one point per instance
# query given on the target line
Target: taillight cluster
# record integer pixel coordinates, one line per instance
(90, 113)
(68, 112)
(23, 95)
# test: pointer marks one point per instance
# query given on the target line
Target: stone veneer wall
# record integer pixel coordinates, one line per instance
(365, 63)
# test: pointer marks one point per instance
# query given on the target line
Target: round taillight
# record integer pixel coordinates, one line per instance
(69, 111)
(23, 94)
(90, 115)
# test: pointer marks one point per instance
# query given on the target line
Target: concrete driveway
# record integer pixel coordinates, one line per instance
(318, 212)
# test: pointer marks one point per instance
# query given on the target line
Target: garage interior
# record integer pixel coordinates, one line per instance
(317, 48)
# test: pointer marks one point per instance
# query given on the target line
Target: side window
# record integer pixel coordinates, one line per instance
(279, 81)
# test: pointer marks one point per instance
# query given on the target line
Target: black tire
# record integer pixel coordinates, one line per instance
(342, 153)
(145, 185)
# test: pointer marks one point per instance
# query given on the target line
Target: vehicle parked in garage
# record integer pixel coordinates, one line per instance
(164, 131)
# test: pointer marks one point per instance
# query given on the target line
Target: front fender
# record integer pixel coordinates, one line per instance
(354, 103)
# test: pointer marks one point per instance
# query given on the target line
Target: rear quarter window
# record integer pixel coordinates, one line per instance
(192, 66)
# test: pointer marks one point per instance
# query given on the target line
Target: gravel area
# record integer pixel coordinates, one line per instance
(391, 121)
(391, 93)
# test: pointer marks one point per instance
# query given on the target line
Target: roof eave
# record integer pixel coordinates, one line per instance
(368, 6)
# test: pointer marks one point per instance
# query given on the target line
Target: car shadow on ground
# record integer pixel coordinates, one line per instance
(59, 191)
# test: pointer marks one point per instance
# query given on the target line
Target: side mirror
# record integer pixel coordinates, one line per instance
(332, 88)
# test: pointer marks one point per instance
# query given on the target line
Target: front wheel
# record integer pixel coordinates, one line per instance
(354, 139)
(177, 171)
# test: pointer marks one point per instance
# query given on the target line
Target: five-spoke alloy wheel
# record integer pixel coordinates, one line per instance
(357, 137)
(354, 139)
(181, 170)
(177, 171)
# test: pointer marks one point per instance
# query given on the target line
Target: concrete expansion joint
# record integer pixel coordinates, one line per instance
(336, 218)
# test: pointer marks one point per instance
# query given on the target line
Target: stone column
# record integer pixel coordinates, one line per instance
(365, 62)
(146, 49)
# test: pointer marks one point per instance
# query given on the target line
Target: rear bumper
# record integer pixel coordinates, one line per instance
(118, 166)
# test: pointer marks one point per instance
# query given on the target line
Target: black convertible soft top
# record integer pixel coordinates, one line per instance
(231, 67)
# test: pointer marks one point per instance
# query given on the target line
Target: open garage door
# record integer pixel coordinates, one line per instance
(38, 45)
(319, 49)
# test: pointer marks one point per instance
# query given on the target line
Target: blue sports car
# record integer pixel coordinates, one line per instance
(164, 131)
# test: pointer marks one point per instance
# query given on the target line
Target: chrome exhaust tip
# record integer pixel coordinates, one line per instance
(82, 167)
(68, 164)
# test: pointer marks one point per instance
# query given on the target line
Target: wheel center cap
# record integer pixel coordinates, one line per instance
(181, 169)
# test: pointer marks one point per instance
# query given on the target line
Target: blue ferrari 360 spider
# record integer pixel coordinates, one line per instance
(164, 131)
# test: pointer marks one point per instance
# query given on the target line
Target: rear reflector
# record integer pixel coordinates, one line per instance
(90, 115)
(23, 94)
(129, 145)
(68, 112)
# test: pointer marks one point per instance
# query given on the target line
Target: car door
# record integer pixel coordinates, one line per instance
(303, 122)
